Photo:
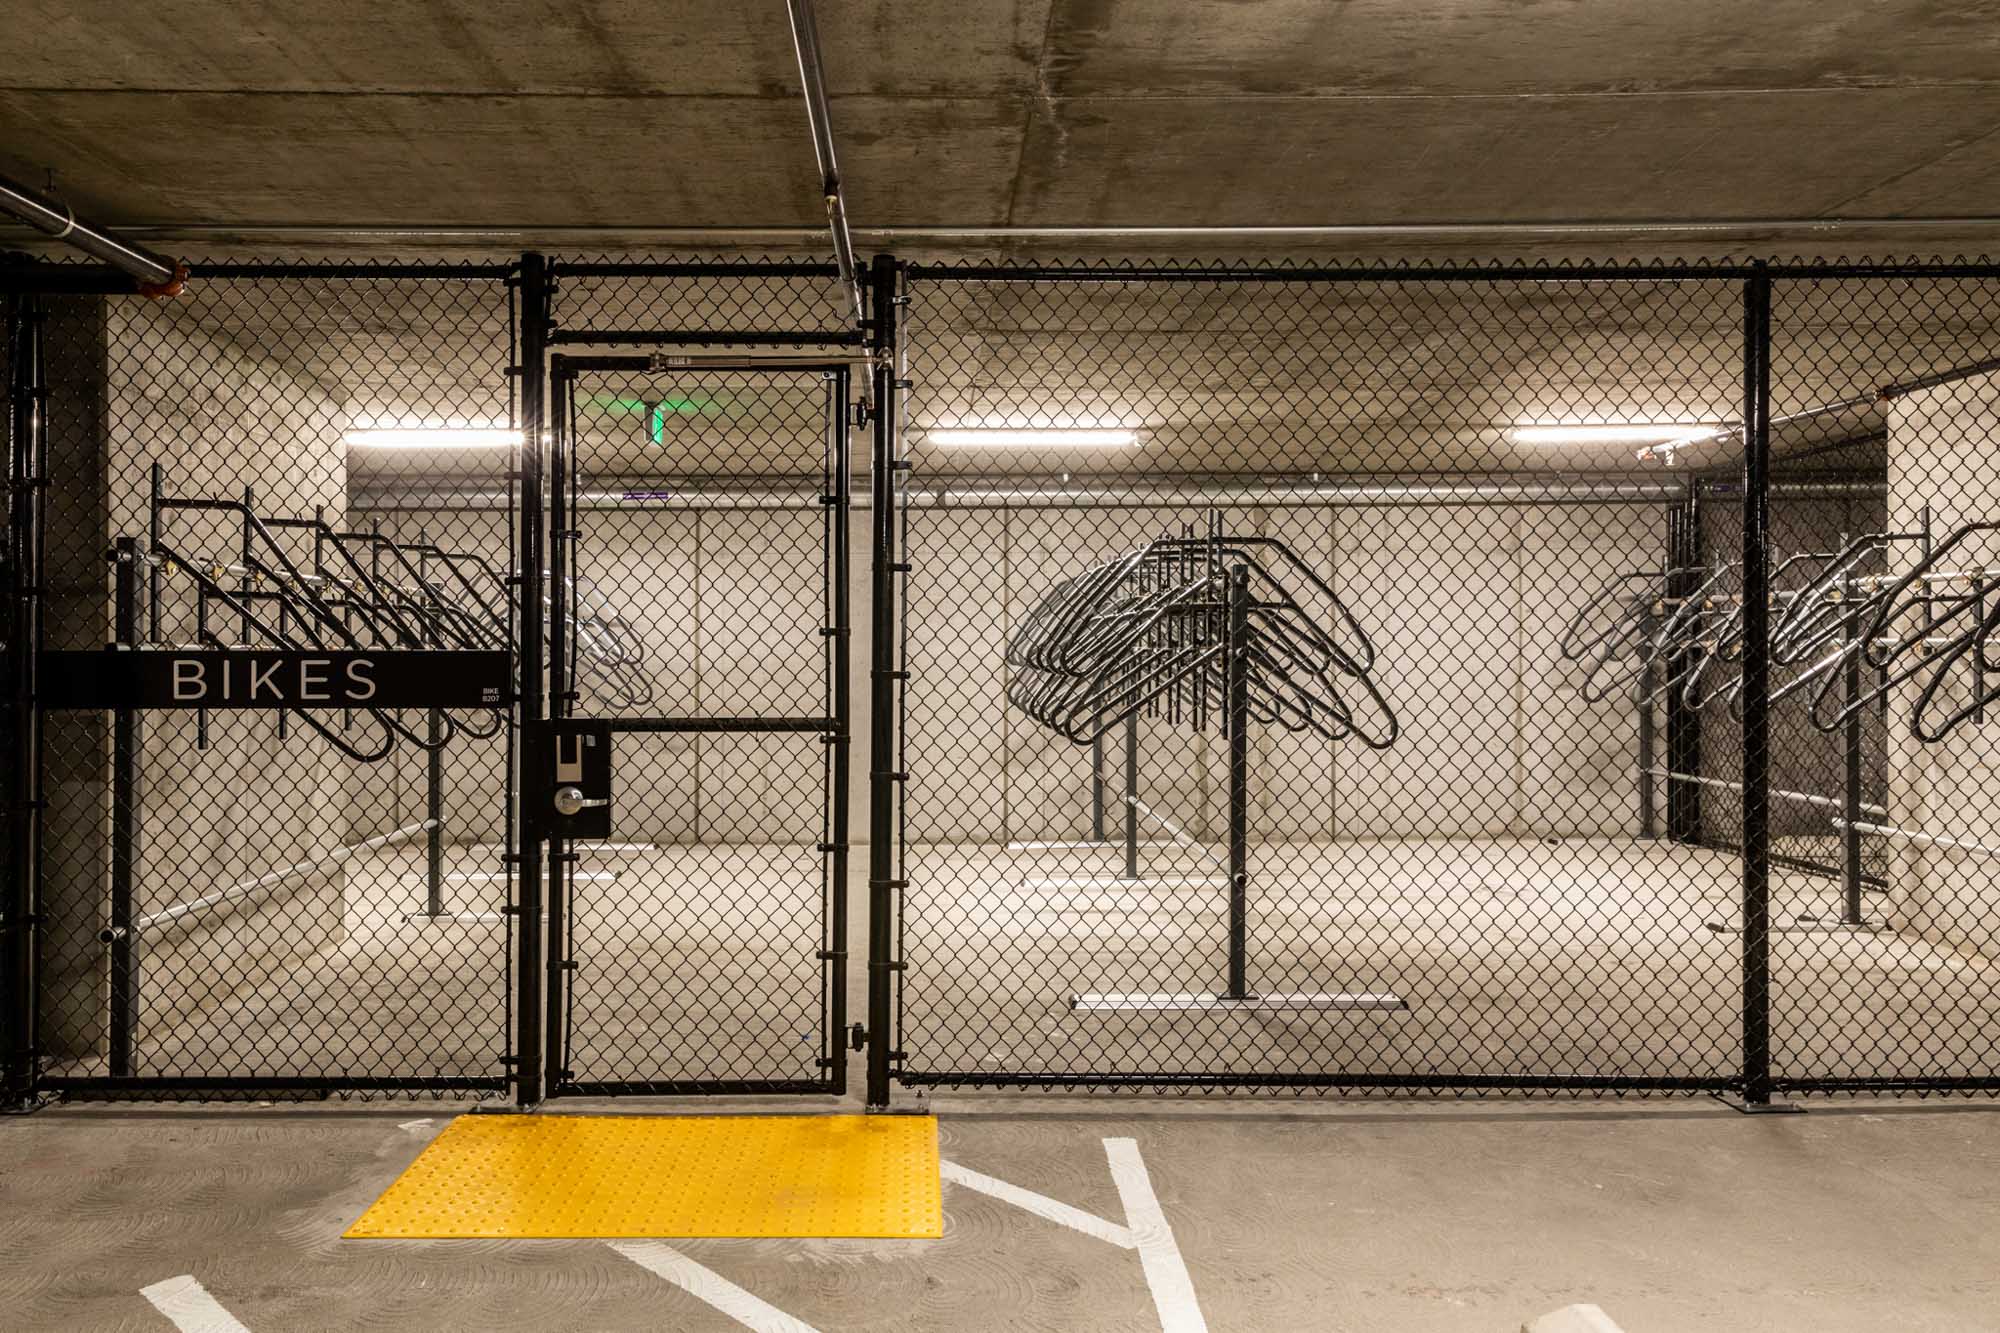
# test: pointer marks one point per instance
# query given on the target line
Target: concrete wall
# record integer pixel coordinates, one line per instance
(76, 746)
(1466, 606)
(1944, 455)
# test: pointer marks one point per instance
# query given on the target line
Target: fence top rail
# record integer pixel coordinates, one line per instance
(359, 267)
(691, 268)
(1252, 271)
(357, 270)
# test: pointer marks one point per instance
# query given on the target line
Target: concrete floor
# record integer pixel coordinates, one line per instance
(1580, 956)
(1515, 957)
(1384, 1216)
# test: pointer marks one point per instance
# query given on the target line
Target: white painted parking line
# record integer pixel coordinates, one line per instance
(414, 1126)
(1166, 1274)
(709, 1287)
(188, 1304)
(1573, 1319)
(1041, 1205)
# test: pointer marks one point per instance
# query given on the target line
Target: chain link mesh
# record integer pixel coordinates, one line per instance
(1544, 871)
(277, 898)
(1537, 884)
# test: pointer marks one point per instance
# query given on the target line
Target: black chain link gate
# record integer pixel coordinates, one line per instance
(698, 584)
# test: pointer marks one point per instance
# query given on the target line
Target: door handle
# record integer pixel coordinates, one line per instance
(572, 801)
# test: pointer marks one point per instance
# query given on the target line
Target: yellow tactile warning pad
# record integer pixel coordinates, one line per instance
(562, 1176)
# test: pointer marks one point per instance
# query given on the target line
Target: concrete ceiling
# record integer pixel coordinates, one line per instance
(685, 113)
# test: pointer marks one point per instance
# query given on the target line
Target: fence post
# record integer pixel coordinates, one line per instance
(122, 1016)
(20, 756)
(883, 793)
(532, 793)
(1685, 554)
(1756, 690)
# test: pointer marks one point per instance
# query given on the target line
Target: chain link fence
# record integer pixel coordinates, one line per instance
(1299, 678)
(257, 902)
(1526, 489)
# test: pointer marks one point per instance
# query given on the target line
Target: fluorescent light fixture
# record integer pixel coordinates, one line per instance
(1612, 432)
(1033, 437)
(418, 433)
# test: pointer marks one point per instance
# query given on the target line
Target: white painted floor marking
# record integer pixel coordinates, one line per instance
(708, 1286)
(188, 1304)
(414, 1126)
(1041, 1205)
(1573, 1319)
(1166, 1274)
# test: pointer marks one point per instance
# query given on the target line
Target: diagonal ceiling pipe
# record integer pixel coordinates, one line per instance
(812, 76)
(155, 274)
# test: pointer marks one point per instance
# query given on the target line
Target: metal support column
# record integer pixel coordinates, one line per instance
(1756, 691)
(1097, 789)
(1649, 682)
(533, 785)
(559, 886)
(433, 813)
(1851, 870)
(1132, 797)
(20, 767)
(839, 742)
(125, 810)
(884, 798)
(1236, 689)
(1684, 560)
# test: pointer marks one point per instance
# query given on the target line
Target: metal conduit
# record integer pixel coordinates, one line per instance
(1759, 229)
(667, 494)
(1923, 839)
(812, 77)
(1806, 798)
(158, 275)
(1881, 394)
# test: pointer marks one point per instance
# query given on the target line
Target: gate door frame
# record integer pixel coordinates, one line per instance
(548, 824)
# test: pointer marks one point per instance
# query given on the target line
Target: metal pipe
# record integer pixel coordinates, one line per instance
(169, 915)
(1683, 723)
(434, 739)
(1881, 394)
(512, 236)
(156, 274)
(21, 778)
(669, 493)
(1806, 798)
(1096, 789)
(812, 78)
(1926, 839)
